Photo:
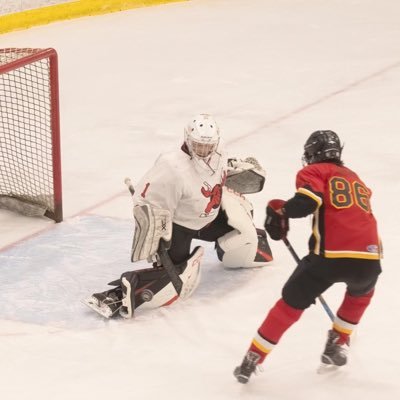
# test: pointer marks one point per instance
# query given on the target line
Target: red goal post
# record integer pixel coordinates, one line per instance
(30, 159)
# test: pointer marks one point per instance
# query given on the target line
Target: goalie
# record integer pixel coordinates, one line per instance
(192, 193)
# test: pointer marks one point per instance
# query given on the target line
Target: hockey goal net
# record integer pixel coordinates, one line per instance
(30, 166)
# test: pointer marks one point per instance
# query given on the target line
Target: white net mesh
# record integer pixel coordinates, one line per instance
(26, 129)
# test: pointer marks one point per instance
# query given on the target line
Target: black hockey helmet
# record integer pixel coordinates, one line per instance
(322, 146)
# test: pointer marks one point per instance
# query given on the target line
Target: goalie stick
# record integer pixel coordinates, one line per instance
(162, 252)
(320, 298)
(129, 184)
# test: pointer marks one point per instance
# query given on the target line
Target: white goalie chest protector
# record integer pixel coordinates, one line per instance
(190, 191)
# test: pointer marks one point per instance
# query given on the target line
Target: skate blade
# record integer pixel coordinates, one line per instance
(327, 369)
(240, 377)
(92, 303)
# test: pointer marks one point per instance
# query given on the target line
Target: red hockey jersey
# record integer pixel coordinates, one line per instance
(343, 223)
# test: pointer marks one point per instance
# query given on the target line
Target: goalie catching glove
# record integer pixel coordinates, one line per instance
(276, 223)
(245, 176)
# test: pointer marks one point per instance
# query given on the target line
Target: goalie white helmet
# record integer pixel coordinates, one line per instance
(202, 136)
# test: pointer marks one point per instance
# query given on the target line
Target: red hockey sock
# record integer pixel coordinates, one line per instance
(279, 319)
(352, 308)
(349, 314)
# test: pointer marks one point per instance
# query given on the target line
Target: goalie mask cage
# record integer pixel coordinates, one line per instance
(30, 165)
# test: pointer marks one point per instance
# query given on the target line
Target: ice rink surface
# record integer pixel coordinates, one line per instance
(271, 73)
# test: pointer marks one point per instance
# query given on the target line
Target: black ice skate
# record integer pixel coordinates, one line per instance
(248, 366)
(335, 353)
(107, 303)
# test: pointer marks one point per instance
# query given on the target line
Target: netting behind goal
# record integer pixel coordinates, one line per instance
(30, 167)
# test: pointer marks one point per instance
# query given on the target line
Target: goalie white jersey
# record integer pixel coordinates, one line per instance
(190, 189)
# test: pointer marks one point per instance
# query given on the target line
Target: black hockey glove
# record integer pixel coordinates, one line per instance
(276, 223)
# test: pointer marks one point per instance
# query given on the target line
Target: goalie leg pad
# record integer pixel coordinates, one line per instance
(235, 252)
(156, 290)
(191, 273)
(152, 287)
(151, 225)
(264, 253)
(129, 282)
(146, 288)
(244, 247)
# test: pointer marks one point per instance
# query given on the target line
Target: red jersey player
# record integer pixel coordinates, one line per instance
(344, 247)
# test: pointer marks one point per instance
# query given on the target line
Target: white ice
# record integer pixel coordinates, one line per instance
(271, 73)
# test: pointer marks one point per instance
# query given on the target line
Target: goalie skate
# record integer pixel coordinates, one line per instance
(105, 305)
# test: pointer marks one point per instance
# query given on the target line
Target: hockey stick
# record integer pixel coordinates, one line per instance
(169, 266)
(129, 184)
(163, 253)
(320, 298)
